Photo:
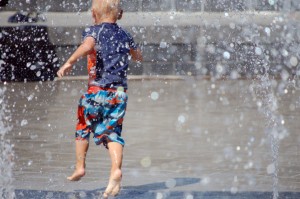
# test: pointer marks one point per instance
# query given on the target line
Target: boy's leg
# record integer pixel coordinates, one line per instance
(81, 150)
(116, 156)
(81, 144)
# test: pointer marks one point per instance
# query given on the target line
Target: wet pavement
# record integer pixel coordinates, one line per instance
(190, 138)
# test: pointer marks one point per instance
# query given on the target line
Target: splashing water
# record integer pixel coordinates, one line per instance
(263, 90)
(253, 53)
(268, 107)
(6, 153)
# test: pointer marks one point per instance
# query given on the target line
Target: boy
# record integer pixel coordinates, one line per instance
(102, 107)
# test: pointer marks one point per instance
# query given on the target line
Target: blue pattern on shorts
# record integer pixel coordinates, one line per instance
(103, 114)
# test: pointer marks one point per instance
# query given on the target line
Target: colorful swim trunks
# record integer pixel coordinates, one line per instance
(101, 112)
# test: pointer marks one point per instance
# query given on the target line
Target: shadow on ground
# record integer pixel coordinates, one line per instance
(152, 191)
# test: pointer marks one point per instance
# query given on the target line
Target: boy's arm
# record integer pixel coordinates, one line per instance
(136, 55)
(81, 51)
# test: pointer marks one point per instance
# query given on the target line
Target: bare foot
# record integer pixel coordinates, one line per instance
(77, 175)
(114, 185)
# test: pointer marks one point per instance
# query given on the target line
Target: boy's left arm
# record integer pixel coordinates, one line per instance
(83, 50)
(136, 54)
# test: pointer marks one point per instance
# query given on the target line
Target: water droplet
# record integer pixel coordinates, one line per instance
(234, 74)
(234, 190)
(146, 162)
(163, 44)
(113, 136)
(159, 195)
(33, 137)
(38, 73)
(284, 75)
(271, 169)
(30, 97)
(232, 25)
(29, 163)
(171, 183)
(32, 67)
(272, 2)
(258, 51)
(181, 119)
(205, 180)
(284, 53)
(24, 122)
(154, 95)
(220, 69)
(226, 55)
(294, 61)
(49, 195)
(82, 194)
(189, 196)
(55, 60)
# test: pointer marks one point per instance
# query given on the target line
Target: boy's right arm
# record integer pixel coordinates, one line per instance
(136, 54)
(83, 50)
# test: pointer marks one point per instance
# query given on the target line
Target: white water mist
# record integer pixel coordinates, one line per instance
(263, 90)
(6, 151)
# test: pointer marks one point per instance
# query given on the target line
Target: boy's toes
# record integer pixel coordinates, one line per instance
(105, 195)
(107, 192)
(116, 190)
(112, 189)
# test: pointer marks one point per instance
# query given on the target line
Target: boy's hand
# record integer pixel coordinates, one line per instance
(67, 67)
(136, 55)
(84, 49)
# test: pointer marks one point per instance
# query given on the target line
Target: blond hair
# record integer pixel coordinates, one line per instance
(106, 8)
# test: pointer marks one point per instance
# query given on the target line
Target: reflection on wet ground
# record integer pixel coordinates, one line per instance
(188, 138)
(142, 193)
